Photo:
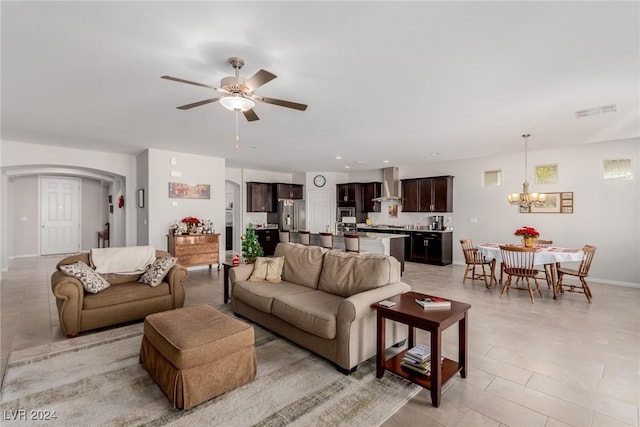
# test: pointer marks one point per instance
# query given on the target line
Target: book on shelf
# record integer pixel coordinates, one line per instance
(423, 370)
(419, 352)
(433, 302)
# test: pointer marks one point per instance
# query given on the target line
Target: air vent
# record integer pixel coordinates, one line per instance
(611, 108)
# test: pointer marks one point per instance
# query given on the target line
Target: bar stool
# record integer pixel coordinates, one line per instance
(351, 242)
(305, 237)
(285, 236)
(326, 240)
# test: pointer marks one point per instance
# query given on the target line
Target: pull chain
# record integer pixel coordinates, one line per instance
(237, 134)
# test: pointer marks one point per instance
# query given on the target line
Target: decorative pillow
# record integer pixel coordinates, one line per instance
(91, 280)
(156, 271)
(269, 269)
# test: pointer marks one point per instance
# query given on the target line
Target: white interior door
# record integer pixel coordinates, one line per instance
(320, 212)
(59, 215)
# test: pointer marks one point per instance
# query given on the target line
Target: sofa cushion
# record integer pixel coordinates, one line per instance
(314, 312)
(302, 264)
(91, 281)
(115, 278)
(156, 271)
(267, 268)
(260, 295)
(124, 293)
(348, 273)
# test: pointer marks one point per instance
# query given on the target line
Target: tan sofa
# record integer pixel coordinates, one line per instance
(324, 300)
(125, 300)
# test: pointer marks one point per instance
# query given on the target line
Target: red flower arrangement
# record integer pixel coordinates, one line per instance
(527, 232)
(191, 220)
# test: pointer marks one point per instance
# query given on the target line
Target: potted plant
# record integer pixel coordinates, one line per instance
(528, 234)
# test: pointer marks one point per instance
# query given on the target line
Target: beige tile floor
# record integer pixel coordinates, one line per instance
(552, 363)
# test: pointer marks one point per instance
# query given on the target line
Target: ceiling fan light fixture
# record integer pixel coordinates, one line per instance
(237, 103)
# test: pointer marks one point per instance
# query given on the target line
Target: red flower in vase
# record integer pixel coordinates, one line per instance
(527, 232)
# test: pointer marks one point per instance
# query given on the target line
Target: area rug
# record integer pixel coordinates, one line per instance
(96, 380)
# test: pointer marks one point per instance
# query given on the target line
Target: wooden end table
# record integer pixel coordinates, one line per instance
(435, 321)
(227, 264)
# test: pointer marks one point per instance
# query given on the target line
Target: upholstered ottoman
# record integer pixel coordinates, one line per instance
(197, 353)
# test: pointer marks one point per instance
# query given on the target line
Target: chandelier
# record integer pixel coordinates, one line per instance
(526, 199)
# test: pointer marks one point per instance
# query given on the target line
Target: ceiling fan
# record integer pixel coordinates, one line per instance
(238, 92)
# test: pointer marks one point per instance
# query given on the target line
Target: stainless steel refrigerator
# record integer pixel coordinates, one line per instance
(291, 215)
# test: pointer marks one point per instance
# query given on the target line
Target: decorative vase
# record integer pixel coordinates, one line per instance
(528, 241)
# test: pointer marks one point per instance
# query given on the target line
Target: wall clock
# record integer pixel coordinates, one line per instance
(319, 181)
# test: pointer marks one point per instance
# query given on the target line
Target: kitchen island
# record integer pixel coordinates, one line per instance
(372, 242)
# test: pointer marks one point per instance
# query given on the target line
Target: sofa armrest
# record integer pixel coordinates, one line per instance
(240, 273)
(359, 305)
(175, 279)
(69, 295)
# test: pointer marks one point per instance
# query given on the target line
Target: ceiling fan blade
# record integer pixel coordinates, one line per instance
(176, 79)
(250, 115)
(281, 103)
(258, 79)
(197, 104)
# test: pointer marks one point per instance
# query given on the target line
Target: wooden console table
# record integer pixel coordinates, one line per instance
(195, 249)
(435, 321)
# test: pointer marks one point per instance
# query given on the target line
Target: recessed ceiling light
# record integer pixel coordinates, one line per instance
(347, 166)
(611, 108)
(385, 161)
(435, 154)
(338, 157)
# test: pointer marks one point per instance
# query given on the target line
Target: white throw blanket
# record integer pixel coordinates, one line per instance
(128, 260)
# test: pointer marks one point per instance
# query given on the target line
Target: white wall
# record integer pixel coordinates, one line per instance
(606, 213)
(195, 169)
(24, 216)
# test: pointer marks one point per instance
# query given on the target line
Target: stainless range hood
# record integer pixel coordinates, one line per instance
(390, 186)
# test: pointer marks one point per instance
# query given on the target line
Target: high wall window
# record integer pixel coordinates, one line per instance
(492, 178)
(547, 174)
(617, 169)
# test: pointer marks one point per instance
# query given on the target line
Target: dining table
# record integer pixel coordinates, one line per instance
(550, 256)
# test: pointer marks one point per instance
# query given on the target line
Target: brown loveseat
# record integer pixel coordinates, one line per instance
(125, 300)
(324, 300)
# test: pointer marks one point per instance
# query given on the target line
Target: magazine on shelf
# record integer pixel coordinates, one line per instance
(433, 302)
(420, 352)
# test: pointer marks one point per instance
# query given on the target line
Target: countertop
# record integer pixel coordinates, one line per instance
(407, 228)
(368, 234)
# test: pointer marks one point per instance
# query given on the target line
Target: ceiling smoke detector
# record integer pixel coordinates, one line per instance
(611, 108)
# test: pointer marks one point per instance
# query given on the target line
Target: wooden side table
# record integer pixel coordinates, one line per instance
(435, 321)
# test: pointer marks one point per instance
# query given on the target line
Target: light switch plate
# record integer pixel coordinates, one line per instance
(176, 174)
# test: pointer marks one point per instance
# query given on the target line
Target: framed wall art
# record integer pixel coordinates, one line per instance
(179, 190)
(554, 203)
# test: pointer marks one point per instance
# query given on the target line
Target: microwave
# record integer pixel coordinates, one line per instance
(342, 212)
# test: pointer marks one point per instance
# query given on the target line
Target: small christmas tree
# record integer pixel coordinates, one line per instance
(251, 248)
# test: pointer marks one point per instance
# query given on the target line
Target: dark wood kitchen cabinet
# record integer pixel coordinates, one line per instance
(260, 197)
(289, 191)
(431, 247)
(346, 195)
(369, 191)
(268, 239)
(434, 194)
